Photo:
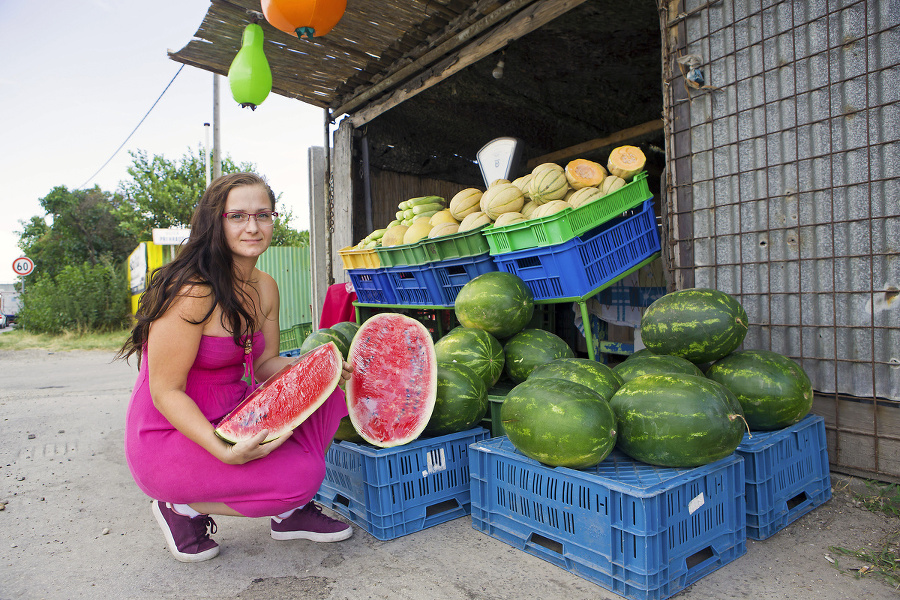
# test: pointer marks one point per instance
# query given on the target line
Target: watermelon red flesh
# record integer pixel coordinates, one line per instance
(286, 398)
(391, 394)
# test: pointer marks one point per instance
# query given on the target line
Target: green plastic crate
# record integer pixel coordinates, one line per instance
(569, 223)
(455, 245)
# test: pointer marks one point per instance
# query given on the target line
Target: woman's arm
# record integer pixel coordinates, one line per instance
(172, 347)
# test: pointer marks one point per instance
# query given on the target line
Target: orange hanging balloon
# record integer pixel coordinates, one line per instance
(304, 17)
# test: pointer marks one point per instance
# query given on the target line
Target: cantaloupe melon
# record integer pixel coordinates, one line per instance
(584, 195)
(501, 198)
(474, 221)
(626, 162)
(548, 182)
(443, 229)
(508, 219)
(465, 202)
(582, 173)
(611, 184)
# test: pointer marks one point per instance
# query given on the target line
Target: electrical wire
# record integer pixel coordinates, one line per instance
(82, 186)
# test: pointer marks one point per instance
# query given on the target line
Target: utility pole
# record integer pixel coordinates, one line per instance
(217, 147)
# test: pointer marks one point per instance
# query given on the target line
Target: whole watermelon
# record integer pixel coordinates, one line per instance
(474, 348)
(774, 391)
(497, 302)
(347, 330)
(655, 364)
(461, 402)
(559, 423)
(698, 324)
(589, 373)
(677, 420)
(323, 336)
(530, 348)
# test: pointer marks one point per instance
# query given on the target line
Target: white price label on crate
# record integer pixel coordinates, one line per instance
(695, 504)
(436, 462)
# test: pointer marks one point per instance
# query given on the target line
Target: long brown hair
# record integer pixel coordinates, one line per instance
(204, 262)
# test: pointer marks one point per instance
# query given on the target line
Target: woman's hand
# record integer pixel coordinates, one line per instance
(252, 449)
(346, 371)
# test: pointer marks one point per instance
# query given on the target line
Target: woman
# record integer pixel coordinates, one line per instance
(208, 320)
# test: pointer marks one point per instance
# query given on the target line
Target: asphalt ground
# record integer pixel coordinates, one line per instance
(74, 525)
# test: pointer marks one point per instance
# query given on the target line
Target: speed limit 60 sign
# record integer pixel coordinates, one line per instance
(23, 265)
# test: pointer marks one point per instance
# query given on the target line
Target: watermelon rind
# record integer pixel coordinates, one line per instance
(461, 402)
(677, 420)
(774, 391)
(475, 348)
(393, 386)
(589, 373)
(497, 302)
(655, 364)
(530, 348)
(699, 324)
(347, 330)
(559, 423)
(323, 336)
(279, 395)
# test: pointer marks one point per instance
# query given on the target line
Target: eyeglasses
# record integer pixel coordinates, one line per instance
(239, 217)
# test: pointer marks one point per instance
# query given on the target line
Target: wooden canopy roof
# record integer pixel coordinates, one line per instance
(416, 76)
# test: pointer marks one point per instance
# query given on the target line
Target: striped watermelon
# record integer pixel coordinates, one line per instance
(589, 373)
(475, 348)
(655, 364)
(461, 401)
(559, 423)
(773, 390)
(497, 302)
(530, 348)
(347, 330)
(677, 420)
(698, 324)
(323, 336)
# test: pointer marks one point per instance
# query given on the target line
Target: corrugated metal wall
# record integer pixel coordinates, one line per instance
(783, 190)
(290, 268)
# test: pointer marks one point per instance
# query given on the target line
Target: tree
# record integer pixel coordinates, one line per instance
(83, 228)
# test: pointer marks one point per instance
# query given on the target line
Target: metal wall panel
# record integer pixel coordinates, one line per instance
(784, 181)
(290, 267)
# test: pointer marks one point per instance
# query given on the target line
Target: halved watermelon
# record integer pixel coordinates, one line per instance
(286, 398)
(391, 394)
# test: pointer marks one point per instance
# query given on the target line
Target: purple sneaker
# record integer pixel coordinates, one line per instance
(187, 538)
(309, 523)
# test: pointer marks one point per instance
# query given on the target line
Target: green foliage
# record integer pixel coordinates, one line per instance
(83, 227)
(883, 498)
(881, 561)
(163, 193)
(78, 298)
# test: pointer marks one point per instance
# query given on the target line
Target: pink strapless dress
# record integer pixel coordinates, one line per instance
(168, 466)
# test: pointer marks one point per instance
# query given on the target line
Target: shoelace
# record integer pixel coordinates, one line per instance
(204, 526)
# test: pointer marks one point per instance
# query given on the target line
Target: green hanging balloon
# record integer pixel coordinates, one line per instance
(249, 75)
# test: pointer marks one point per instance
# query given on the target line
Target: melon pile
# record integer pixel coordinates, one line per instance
(547, 190)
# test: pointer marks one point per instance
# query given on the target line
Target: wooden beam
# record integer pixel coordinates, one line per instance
(532, 17)
(431, 56)
(618, 138)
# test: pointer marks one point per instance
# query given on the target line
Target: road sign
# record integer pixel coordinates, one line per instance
(23, 266)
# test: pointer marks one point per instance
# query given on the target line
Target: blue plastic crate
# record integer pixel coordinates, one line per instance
(640, 531)
(453, 274)
(372, 286)
(582, 264)
(786, 473)
(391, 492)
(416, 285)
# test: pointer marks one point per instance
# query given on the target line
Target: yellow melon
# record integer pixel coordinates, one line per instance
(417, 231)
(444, 216)
(465, 202)
(394, 235)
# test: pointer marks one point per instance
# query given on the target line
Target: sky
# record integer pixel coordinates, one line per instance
(78, 77)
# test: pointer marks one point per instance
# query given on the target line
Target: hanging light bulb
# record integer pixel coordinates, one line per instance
(304, 17)
(498, 70)
(249, 76)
